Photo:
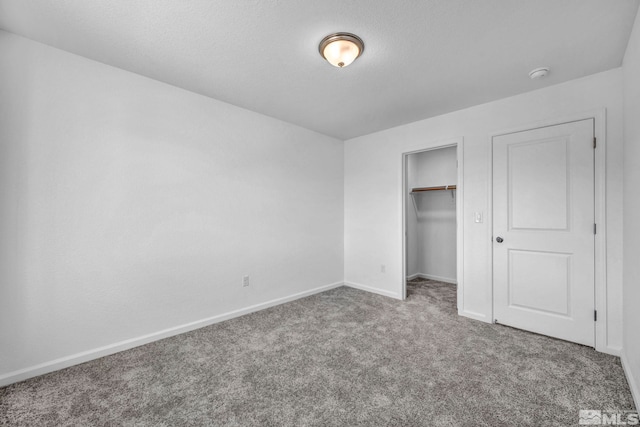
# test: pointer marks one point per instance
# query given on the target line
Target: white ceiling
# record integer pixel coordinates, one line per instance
(421, 58)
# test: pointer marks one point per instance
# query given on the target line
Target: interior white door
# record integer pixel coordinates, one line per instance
(543, 231)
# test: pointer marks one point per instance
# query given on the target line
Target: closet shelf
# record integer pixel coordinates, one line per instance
(440, 188)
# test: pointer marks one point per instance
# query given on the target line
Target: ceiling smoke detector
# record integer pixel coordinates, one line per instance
(538, 73)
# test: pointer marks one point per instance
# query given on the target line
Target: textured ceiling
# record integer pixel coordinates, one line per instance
(421, 59)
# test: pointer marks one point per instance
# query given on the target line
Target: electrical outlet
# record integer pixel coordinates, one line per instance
(245, 281)
(383, 268)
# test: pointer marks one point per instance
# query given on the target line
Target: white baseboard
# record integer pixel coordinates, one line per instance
(614, 351)
(373, 290)
(633, 384)
(433, 277)
(85, 356)
(475, 316)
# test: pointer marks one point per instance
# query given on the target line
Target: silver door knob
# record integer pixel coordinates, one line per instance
(499, 239)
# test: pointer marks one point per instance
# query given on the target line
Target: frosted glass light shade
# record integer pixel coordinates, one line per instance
(341, 49)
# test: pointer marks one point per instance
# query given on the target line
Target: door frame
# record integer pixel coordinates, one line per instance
(600, 261)
(459, 144)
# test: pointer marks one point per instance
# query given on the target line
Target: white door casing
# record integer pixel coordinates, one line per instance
(543, 210)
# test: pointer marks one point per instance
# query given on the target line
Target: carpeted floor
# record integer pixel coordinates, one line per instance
(340, 358)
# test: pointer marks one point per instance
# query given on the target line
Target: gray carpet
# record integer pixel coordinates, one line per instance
(340, 358)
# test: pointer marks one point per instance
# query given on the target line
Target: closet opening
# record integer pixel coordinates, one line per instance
(431, 196)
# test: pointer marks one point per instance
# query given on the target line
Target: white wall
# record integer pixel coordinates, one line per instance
(373, 182)
(631, 354)
(435, 222)
(129, 207)
(436, 167)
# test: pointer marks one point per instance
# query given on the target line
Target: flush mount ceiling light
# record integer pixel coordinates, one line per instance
(538, 73)
(341, 49)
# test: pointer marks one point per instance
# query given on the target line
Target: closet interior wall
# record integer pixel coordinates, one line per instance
(431, 215)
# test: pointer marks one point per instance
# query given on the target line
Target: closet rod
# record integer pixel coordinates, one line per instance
(440, 188)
